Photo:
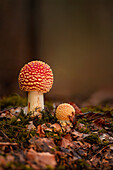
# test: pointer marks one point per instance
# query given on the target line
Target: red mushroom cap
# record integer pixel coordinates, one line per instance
(36, 76)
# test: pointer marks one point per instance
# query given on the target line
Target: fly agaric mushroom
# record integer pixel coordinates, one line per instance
(36, 77)
(63, 112)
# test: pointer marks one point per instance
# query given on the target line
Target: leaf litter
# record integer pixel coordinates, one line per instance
(43, 143)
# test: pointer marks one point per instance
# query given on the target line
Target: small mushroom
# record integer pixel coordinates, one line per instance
(63, 112)
(36, 77)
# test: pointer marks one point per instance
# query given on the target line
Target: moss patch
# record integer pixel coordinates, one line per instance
(12, 101)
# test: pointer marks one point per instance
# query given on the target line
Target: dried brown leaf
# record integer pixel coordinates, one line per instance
(43, 144)
(99, 122)
(2, 160)
(31, 126)
(65, 143)
(10, 158)
(40, 131)
(76, 134)
(41, 159)
(68, 137)
(57, 127)
(77, 109)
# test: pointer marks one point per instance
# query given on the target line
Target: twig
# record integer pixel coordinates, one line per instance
(5, 135)
(94, 116)
(94, 157)
(6, 110)
(8, 143)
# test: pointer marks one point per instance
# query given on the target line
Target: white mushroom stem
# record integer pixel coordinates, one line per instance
(35, 100)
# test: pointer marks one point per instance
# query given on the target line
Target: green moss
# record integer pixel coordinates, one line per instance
(47, 117)
(17, 166)
(111, 129)
(49, 167)
(84, 120)
(84, 130)
(56, 137)
(105, 143)
(82, 164)
(92, 109)
(12, 101)
(61, 167)
(16, 130)
(93, 139)
(98, 108)
(111, 125)
(102, 131)
(49, 105)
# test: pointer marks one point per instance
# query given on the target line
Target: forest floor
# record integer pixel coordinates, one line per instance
(30, 142)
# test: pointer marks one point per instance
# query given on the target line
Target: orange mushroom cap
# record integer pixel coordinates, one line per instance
(63, 111)
(36, 76)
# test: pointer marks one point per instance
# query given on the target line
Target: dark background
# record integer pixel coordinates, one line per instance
(75, 37)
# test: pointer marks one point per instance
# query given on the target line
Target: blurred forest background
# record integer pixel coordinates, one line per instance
(75, 37)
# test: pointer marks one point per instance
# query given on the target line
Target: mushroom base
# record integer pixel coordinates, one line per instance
(65, 122)
(35, 100)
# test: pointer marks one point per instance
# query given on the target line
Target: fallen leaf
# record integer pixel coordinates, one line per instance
(66, 128)
(65, 143)
(99, 122)
(111, 147)
(77, 110)
(2, 160)
(68, 137)
(81, 152)
(76, 134)
(20, 156)
(105, 163)
(31, 126)
(40, 131)
(43, 144)
(96, 161)
(57, 127)
(87, 145)
(108, 155)
(45, 128)
(10, 158)
(42, 159)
